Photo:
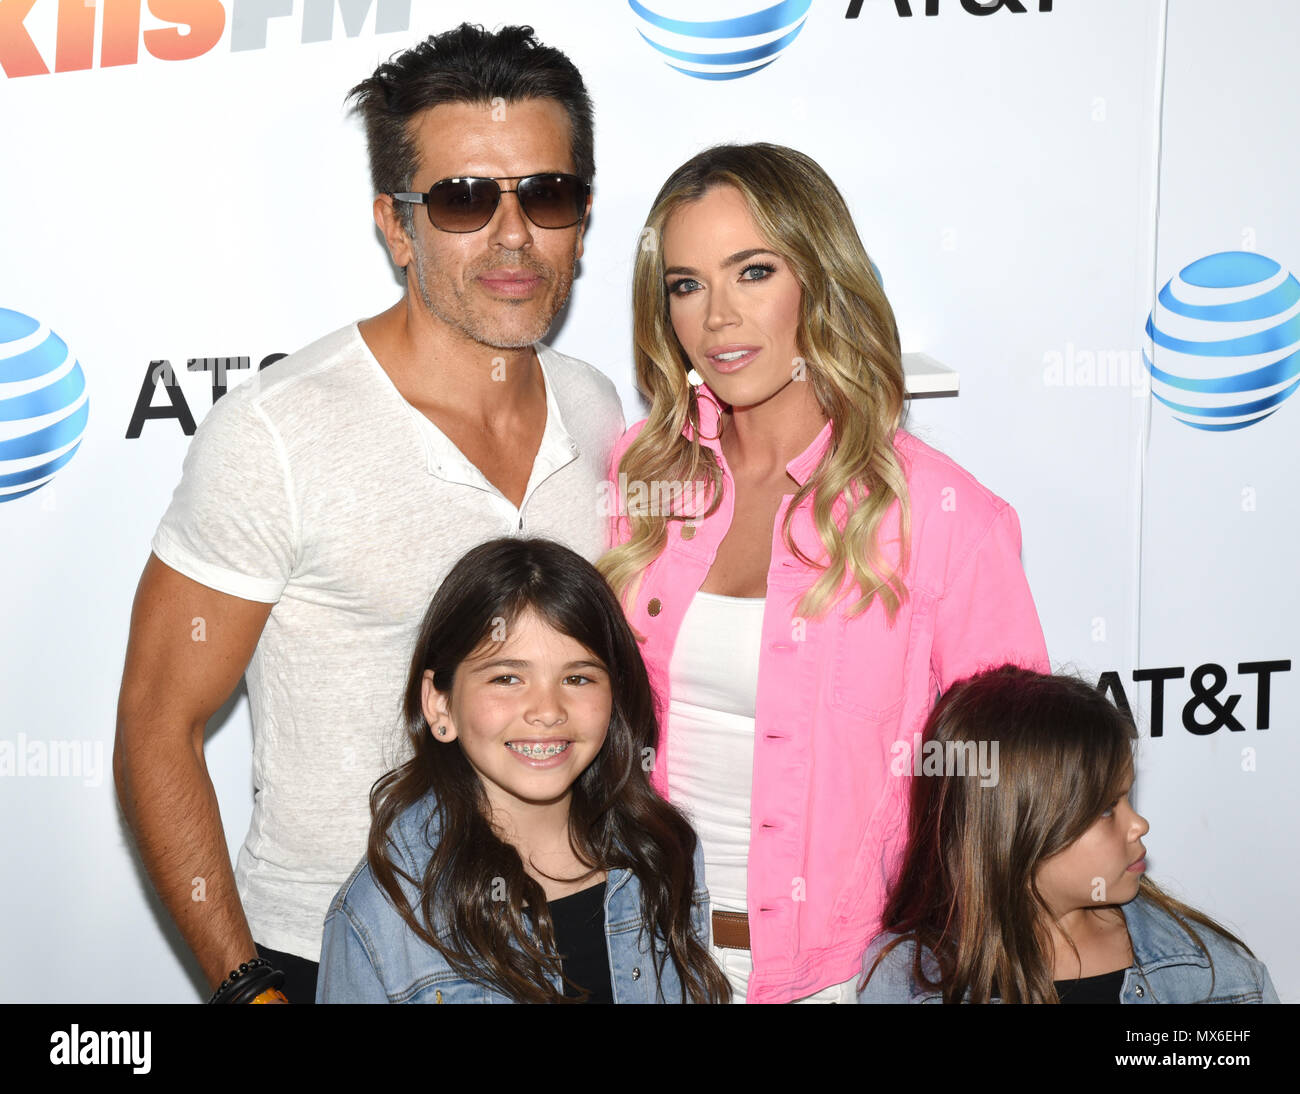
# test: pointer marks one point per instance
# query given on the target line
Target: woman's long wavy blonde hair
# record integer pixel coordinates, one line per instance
(849, 342)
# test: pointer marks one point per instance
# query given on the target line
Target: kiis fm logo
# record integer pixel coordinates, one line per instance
(170, 30)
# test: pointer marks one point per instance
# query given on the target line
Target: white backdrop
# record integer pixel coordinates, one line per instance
(1025, 180)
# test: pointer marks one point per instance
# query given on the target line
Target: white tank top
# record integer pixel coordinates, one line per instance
(713, 678)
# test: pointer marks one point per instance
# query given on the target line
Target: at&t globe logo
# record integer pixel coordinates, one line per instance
(749, 35)
(1223, 342)
(43, 404)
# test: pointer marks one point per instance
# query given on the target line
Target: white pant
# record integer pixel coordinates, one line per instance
(738, 965)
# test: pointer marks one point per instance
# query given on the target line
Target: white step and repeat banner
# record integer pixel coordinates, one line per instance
(1084, 207)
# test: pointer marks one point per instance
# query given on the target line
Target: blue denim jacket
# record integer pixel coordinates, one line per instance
(1168, 967)
(370, 955)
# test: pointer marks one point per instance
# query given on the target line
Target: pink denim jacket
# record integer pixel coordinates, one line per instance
(828, 804)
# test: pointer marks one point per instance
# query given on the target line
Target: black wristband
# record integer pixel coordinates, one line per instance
(247, 982)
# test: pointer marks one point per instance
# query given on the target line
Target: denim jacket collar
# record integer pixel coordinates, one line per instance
(420, 822)
(1157, 939)
(370, 955)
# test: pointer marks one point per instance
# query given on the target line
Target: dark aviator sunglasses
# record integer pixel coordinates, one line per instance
(468, 204)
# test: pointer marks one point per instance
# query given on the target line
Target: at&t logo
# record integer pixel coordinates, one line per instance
(743, 42)
(43, 404)
(1223, 341)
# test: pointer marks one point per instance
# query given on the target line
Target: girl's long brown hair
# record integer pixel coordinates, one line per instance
(965, 891)
(477, 905)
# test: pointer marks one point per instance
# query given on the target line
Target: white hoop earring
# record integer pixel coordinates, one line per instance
(694, 378)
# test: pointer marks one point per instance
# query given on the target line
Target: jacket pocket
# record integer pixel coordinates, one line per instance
(1255, 996)
(449, 989)
(868, 662)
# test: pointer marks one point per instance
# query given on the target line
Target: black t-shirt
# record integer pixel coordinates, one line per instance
(1088, 989)
(1091, 989)
(579, 922)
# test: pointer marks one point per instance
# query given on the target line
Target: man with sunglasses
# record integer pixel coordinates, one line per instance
(323, 501)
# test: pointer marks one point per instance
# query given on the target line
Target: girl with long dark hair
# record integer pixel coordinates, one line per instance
(521, 854)
(1024, 877)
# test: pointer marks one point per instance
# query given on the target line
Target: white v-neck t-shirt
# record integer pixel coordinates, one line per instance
(314, 486)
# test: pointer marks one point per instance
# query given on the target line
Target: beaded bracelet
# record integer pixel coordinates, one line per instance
(247, 982)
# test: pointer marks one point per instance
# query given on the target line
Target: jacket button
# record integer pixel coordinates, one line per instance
(1138, 991)
(636, 974)
(654, 607)
(688, 531)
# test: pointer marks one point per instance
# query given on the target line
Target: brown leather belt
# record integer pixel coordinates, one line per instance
(731, 930)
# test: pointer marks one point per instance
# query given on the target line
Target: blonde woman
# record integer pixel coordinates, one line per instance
(806, 576)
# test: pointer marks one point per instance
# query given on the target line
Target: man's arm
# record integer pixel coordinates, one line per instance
(188, 647)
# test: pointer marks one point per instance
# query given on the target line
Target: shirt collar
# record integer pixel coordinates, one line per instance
(710, 408)
(1156, 938)
(557, 447)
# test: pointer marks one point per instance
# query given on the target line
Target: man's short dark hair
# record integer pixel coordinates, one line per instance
(465, 65)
